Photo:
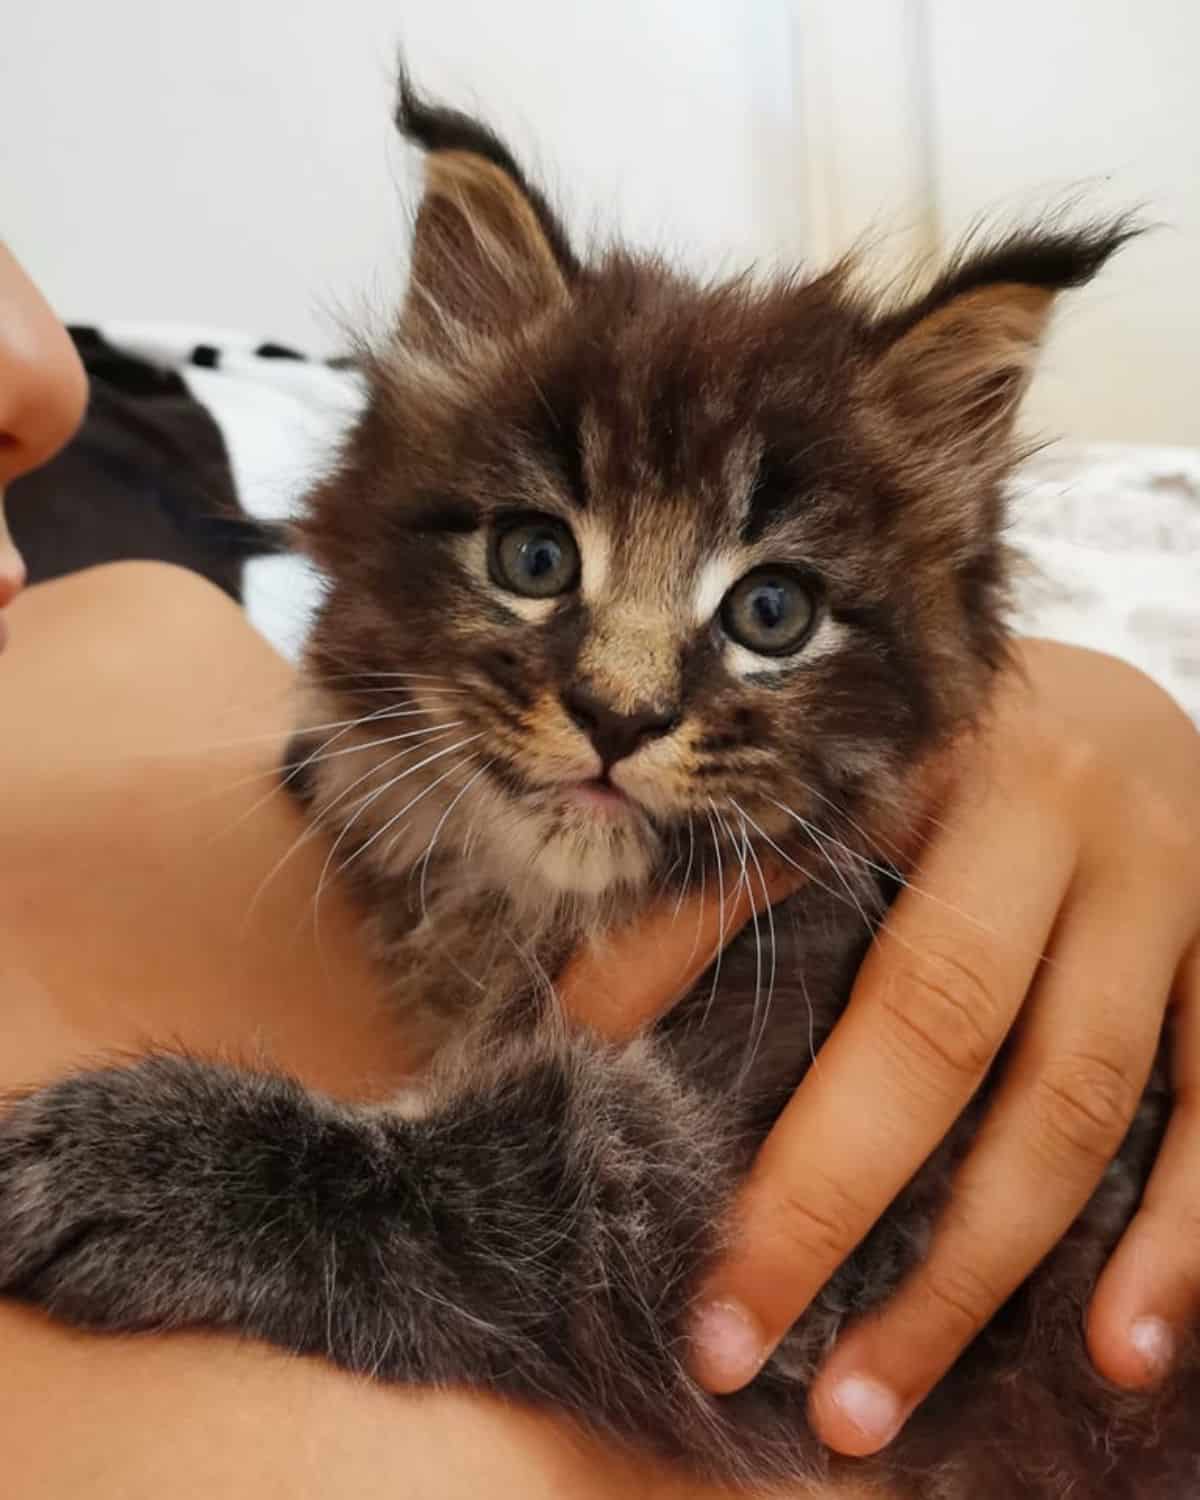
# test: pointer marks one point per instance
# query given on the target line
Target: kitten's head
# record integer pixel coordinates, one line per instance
(626, 567)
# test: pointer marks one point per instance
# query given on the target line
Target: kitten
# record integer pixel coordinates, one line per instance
(633, 583)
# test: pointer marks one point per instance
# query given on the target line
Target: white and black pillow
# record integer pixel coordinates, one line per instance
(194, 447)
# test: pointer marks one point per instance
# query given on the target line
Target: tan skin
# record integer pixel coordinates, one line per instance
(1072, 826)
(134, 851)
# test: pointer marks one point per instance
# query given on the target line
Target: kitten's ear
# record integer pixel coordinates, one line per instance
(488, 251)
(955, 363)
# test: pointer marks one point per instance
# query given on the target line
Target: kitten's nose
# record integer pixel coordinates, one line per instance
(615, 734)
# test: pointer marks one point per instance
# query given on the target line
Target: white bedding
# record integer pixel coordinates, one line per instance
(1113, 536)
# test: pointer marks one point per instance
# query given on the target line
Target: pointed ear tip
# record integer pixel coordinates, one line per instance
(1055, 255)
(408, 105)
(1090, 247)
(1023, 270)
(433, 127)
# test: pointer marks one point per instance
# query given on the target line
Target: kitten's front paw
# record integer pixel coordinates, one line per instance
(74, 1234)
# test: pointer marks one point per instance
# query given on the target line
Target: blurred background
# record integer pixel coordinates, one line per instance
(231, 164)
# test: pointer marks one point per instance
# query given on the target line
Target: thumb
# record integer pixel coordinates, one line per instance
(622, 982)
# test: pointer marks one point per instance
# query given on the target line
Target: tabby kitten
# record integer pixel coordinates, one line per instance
(633, 582)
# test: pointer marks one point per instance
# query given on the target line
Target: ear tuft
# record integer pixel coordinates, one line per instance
(953, 364)
(1052, 256)
(488, 251)
(434, 128)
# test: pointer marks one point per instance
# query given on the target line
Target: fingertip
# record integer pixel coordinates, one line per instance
(1154, 1344)
(728, 1345)
(1132, 1321)
(854, 1413)
(1135, 1353)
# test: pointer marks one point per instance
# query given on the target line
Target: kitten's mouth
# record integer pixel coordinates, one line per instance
(599, 796)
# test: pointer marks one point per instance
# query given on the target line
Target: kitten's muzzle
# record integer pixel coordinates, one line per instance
(615, 734)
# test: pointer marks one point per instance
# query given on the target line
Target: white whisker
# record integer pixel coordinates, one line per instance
(888, 872)
(429, 759)
(699, 910)
(712, 994)
(391, 739)
(317, 826)
(687, 874)
(294, 768)
(438, 828)
(788, 860)
(766, 1011)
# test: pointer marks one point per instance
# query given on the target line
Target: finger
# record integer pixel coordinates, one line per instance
(932, 1004)
(1059, 1116)
(1149, 1295)
(622, 983)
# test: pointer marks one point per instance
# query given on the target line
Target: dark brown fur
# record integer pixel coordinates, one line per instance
(534, 1217)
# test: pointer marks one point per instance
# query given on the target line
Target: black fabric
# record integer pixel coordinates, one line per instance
(147, 476)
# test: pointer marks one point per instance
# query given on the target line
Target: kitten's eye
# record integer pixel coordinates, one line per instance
(537, 558)
(771, 611)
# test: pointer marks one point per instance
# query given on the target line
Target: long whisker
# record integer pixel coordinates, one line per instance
(315, 757)
(687, 874)
(392, 676)
(316, 826)
(891, 874)
(420, 765)
(411, 803)
(815, 834)
(744, 879)
(743, 876)
(814, 838)
(712, 994)
(428, 855)
(788, 860)
(367, 802)
(770, 917)
(390, 739)
(699, 910)
(280, 780)
(871, 839)
(398, 709)
(354, 689)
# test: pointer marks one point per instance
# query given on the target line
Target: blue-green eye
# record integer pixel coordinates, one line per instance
(771, 611)
(537, 558)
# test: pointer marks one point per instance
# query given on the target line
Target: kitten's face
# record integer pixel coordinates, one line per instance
(668, 598)
(651, 574)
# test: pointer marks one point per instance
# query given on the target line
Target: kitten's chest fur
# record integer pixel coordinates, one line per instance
(461, 955)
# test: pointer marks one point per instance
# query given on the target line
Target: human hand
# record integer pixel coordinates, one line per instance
(1072, 830)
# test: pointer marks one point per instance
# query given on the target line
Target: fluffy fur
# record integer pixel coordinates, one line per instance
(533, 1220)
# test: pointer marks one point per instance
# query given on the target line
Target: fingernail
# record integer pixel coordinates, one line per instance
(730, 1347)
(870, 1407)
(1155, 1342)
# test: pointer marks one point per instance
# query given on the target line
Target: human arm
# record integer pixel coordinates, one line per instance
(142, 902)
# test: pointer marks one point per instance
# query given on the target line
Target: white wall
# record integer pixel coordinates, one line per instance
(921, 116)
(1032, 100)
(231, 162)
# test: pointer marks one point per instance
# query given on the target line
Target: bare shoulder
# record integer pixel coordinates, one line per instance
(156, 886)
(153, 638)
(150, 885)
